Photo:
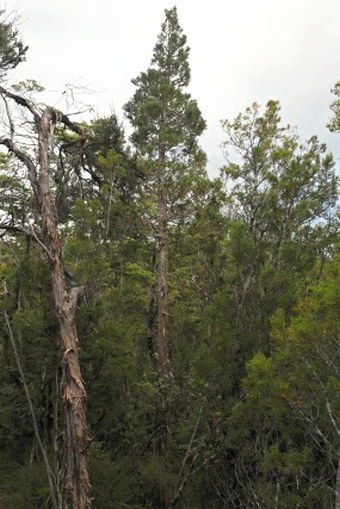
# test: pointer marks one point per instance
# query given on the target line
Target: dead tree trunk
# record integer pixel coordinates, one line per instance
(73, 476)
(74, 473)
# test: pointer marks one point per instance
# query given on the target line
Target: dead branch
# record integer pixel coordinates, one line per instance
(24, 158)
(22, 102)
(28, 233)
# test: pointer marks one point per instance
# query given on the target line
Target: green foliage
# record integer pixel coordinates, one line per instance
(281, 199)
(292, 403)
(334, 123)
(163, 116)
(12, 49)
(22, 486)
(114, 482)
(28, 86)
(279, 186)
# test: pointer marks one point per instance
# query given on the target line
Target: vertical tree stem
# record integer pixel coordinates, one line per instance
(49, 473)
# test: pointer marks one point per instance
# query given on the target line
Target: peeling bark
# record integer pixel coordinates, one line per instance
(74, 482)
(74, 475)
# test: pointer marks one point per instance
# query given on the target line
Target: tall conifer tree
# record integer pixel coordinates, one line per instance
(166, 123)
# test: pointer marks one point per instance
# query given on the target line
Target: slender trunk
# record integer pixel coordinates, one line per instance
(182, 480)
(162, 351)
(162, 288)
(277, 493)
(74, 475)
(109, 206)
(337, 483)
(150, 337)
(49, 473)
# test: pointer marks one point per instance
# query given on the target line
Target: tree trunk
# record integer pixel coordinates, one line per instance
(162, 351)
(74, 476)
(162, 288)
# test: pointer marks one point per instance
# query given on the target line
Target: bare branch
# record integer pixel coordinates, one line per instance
(28, 232)
(41, 244)
(22, 102)
(182, 482)
(16, 229)
(11, 125)
(24, 158)
(74, 126)
(332, 418)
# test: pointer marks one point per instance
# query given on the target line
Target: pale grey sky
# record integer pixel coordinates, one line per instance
(241, 51)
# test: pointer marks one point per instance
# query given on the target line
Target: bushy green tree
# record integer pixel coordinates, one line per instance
(285, 431)
(282, 196)
(334, 123)
(12, 49)
(166, 123)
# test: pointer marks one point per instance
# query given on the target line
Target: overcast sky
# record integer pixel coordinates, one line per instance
(241, 51)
